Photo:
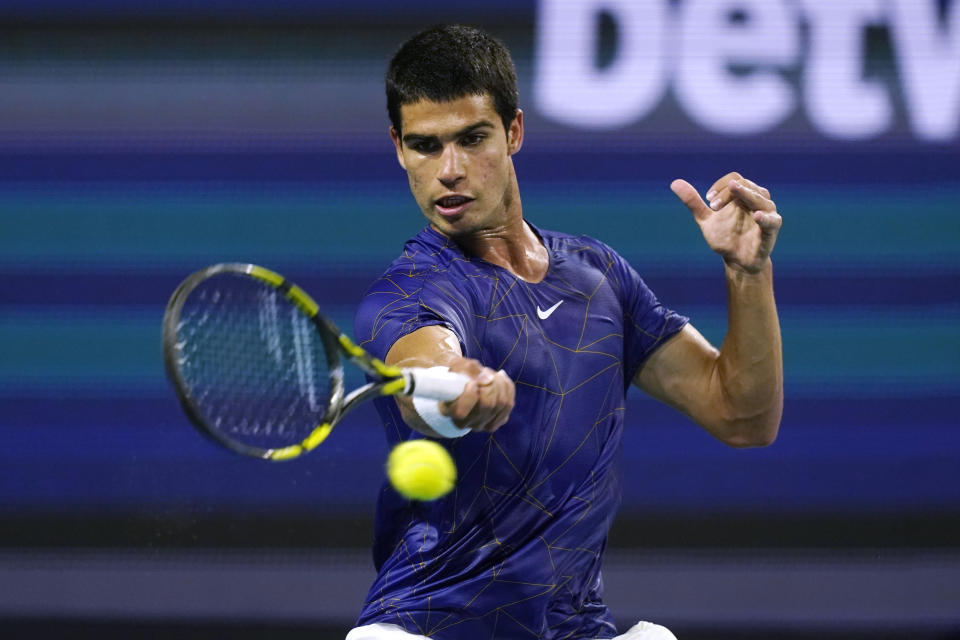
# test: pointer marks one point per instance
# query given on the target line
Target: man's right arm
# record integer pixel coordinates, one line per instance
(487, 399)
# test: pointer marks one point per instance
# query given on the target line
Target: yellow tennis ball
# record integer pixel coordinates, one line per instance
(421, 470)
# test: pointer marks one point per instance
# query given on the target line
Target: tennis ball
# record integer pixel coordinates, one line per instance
(421, 470)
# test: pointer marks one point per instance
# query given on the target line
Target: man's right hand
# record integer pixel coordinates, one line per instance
(487, 399)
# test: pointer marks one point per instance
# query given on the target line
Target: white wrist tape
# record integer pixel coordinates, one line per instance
(429, 412)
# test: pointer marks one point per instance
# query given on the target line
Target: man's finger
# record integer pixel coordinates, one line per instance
(458, 409)
(494, 404)
(753, 185)
(769, 221)
(751, 197)
(469, 410)
(719, 187)
(507, 399)
(689, 196)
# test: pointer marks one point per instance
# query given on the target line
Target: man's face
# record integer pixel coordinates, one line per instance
(457, 158)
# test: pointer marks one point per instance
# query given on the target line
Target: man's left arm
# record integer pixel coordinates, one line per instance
(736, 392)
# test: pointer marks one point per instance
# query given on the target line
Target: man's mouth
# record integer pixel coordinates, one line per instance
(452, 205)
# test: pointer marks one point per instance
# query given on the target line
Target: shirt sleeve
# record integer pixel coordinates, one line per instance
(401, 302)
(648, 324)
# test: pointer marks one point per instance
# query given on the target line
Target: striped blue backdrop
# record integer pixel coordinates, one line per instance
(118, 177)
(866, 280)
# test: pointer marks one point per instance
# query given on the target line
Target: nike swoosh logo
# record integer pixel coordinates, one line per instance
(543, 315)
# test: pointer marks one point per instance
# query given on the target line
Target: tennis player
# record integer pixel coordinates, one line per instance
(552, 329)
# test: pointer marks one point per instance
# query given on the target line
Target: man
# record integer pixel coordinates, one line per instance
(551, 329)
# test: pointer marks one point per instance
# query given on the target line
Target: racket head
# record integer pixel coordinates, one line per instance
(254, 364)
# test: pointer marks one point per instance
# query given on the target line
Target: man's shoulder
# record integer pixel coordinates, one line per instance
(428, 258)
(430, 267)
(411, 281)
(428, 283)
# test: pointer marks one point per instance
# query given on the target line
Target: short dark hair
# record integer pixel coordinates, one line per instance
(448, 62)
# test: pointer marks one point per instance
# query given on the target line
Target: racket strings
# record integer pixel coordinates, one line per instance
(254, 362)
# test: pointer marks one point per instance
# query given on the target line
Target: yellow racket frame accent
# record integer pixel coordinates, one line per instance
(309, 443)
(309, 306)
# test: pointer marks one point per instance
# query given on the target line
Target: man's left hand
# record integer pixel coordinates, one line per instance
(740, 223)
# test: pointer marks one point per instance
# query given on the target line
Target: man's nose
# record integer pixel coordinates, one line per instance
(451, 167)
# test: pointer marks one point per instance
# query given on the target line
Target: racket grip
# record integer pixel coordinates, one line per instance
(429, 385)
(436, 383)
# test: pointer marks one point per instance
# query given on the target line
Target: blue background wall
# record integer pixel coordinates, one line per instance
(140, 141)
(138, 144)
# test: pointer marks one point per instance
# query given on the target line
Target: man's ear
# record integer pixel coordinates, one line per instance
(398, 144)
(515, 133)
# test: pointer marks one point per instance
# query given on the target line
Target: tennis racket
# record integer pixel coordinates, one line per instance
(258, 368)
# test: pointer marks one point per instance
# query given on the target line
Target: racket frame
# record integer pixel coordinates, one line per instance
(387, 380)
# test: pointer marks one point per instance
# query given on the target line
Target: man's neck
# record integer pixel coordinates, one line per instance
(514, 247)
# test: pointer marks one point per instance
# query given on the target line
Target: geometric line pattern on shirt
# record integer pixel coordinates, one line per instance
(405, 296)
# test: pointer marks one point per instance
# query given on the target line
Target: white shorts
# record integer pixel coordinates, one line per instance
(381, 631)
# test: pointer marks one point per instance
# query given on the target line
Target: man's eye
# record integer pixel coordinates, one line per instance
(472, 140)
(424, 146)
